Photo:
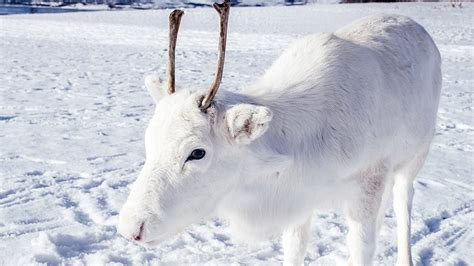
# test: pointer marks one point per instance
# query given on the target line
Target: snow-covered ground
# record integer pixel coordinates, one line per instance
(73, 110)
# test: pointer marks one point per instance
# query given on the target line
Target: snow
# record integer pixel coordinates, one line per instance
(73, 110)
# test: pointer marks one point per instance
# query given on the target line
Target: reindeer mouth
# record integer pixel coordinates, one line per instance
(156, 240)
(151, 243)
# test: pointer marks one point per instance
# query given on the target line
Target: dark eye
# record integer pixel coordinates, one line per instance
(197, 154)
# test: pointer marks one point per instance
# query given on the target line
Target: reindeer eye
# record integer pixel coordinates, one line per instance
(197, 154)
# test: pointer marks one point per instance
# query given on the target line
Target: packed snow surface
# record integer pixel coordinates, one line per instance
(73, 110)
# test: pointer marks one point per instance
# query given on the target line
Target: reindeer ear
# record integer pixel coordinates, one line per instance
(247, 122)
(155, 87)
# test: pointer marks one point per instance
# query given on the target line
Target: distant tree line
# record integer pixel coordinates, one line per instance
(112, 3)
(387, 1)
(71, 2)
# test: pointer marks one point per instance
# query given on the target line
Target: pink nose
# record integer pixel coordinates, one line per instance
(138, 236)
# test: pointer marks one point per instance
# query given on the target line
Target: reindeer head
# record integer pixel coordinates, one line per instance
(195, 150)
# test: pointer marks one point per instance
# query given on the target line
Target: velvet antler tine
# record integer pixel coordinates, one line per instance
(174, 21)
(223, 10)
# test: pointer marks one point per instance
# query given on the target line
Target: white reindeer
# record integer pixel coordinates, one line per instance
(338, 121)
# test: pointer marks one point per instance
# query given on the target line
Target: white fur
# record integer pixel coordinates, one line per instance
(336, 122)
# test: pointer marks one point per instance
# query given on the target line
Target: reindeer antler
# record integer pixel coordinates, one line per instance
(223, 10)
(174, 21)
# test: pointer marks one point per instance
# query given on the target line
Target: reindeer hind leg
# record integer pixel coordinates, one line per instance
(402, 204)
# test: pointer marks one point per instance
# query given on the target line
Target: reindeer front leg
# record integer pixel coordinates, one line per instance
(295, 241)
(361, 215)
